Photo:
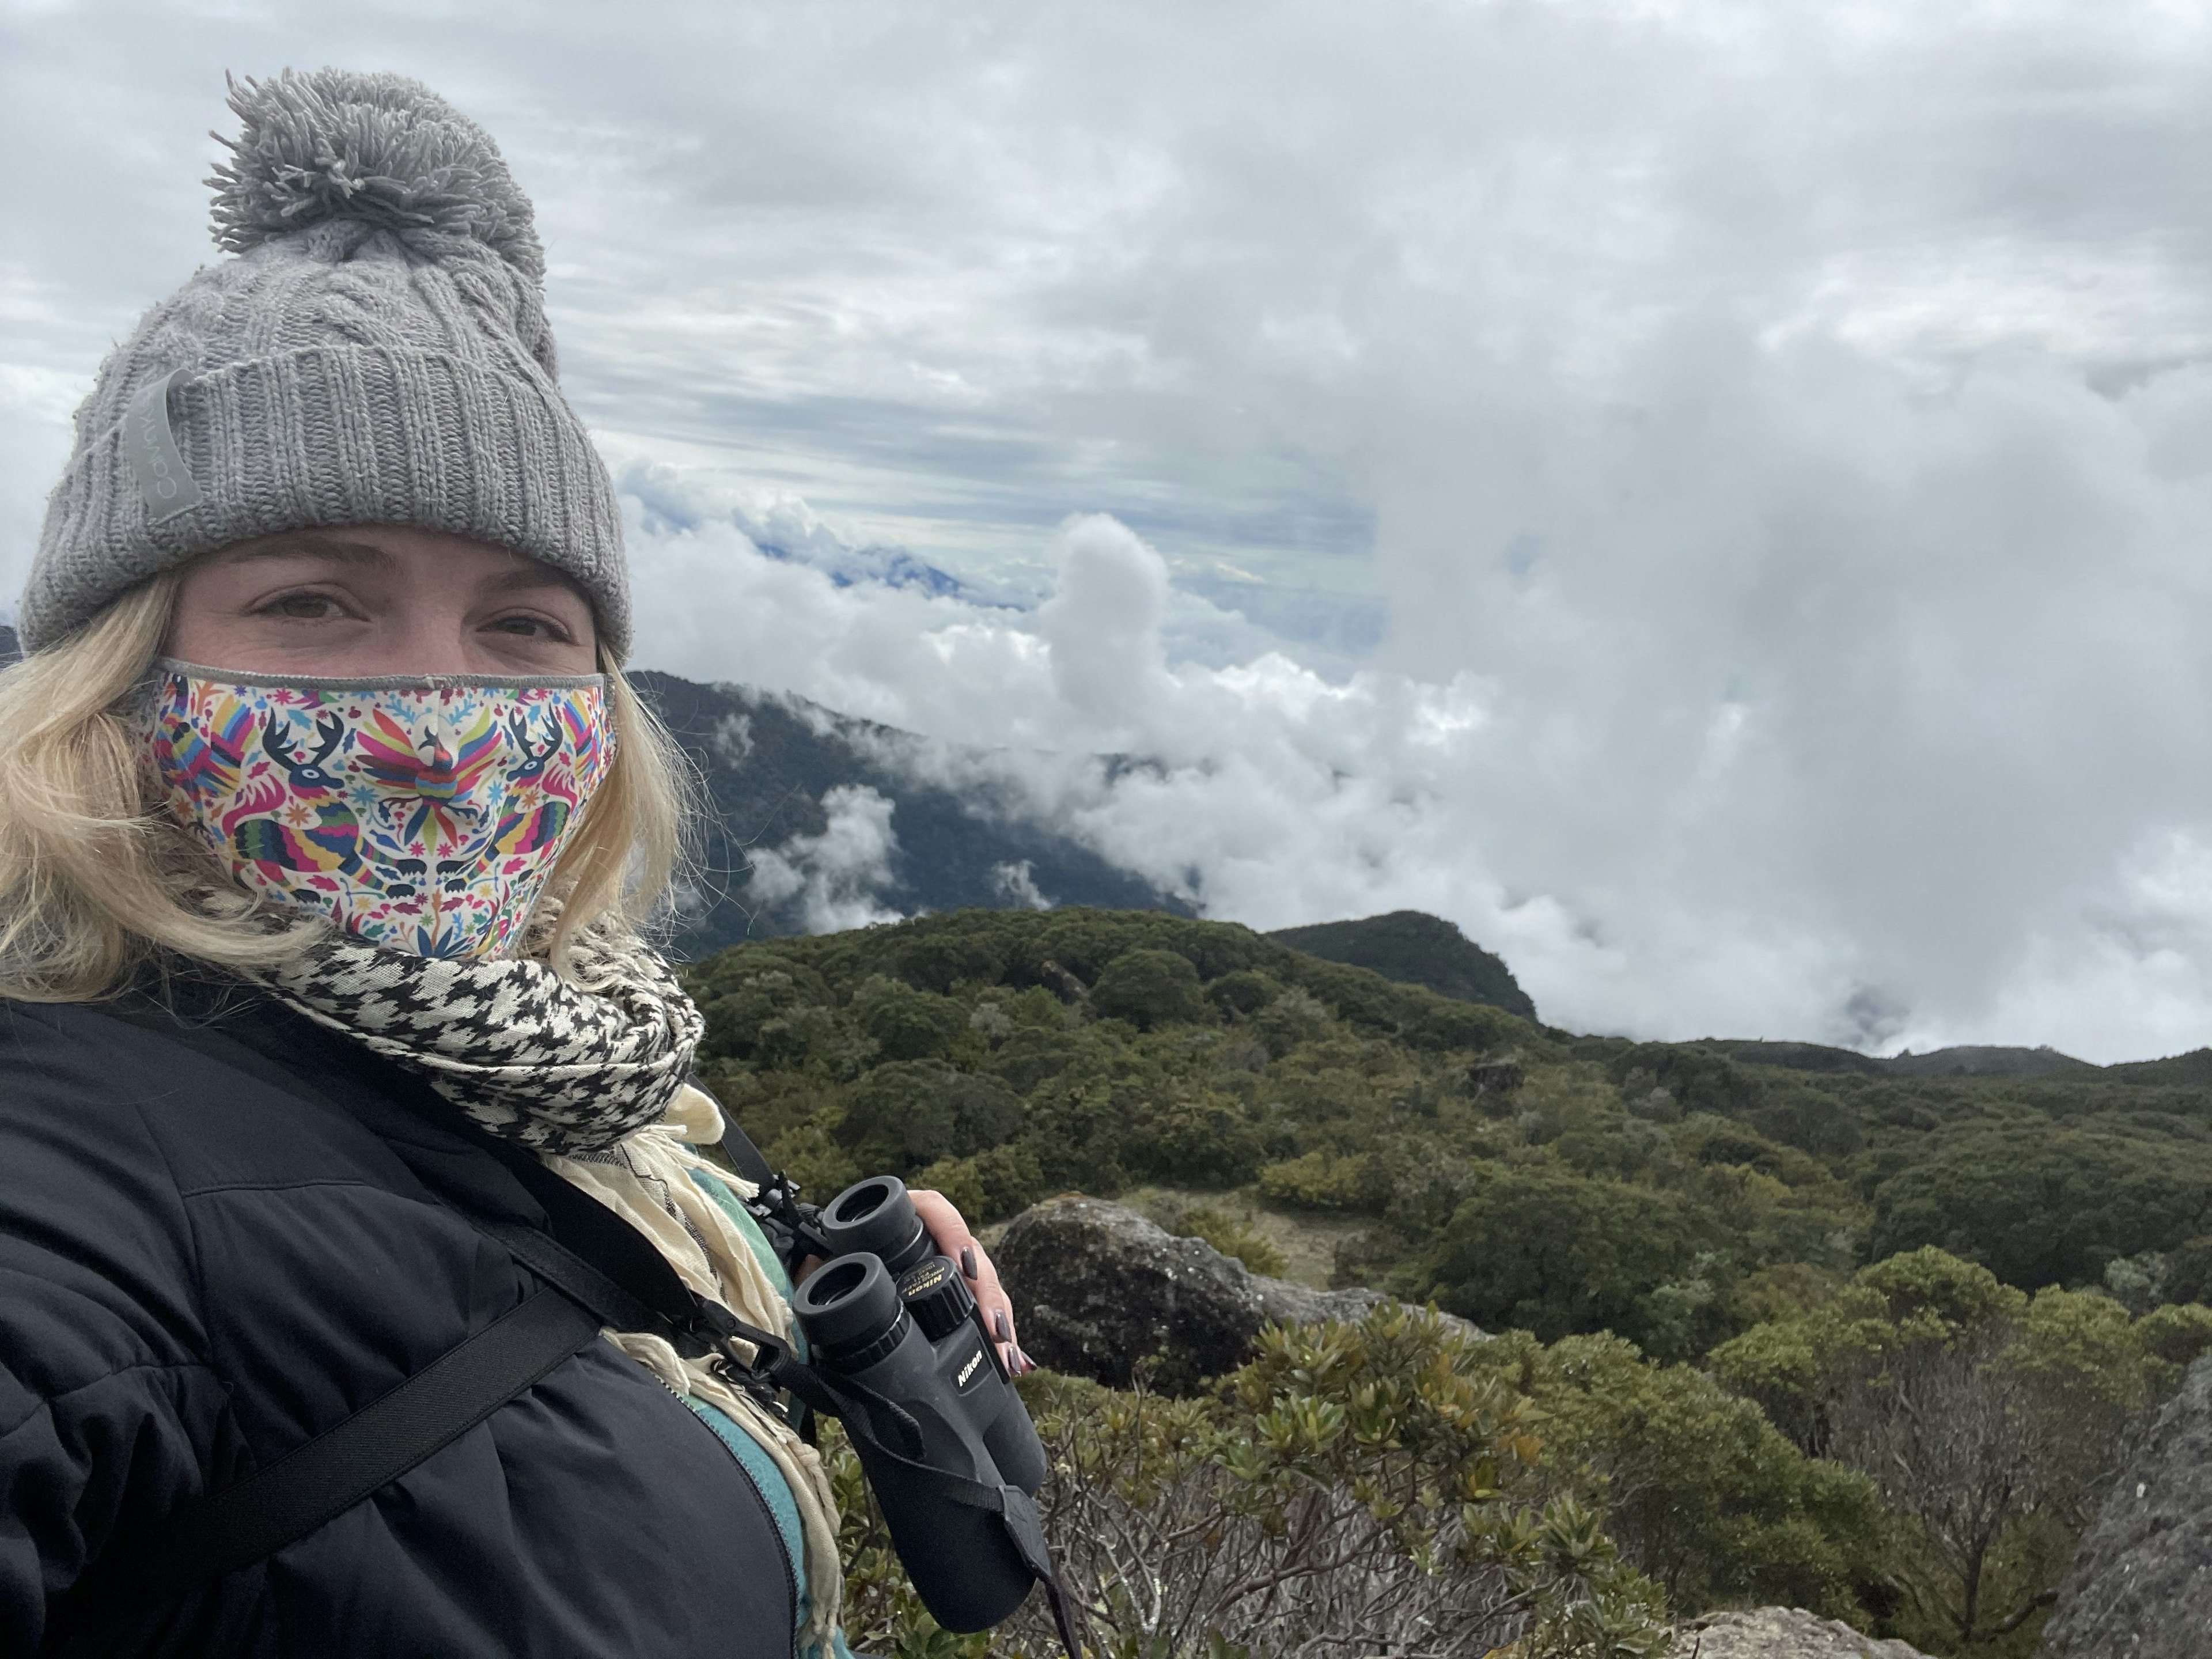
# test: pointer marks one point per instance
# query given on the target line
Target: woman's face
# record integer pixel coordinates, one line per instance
(369, 600)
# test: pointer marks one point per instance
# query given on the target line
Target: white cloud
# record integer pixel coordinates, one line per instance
(835, 876)
(1800, 842)
(732, 739)
(1016, 883)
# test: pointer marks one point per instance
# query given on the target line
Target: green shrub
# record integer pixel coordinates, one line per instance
(1324, 1181)
(2189, 1271)
(1702, 1494)
(767, 1103)
(938, 960)
(1150, 990)
(1031, 1056)
(990, 1185)
(1291, 1019)
(1243, 992)
(1989, 1421)
(908, 1025)
(1205, 1139)
(2173, 1337)
(907, 1113)
(959, 1181)
(2039, 1206)
(1543, 1249)
(780, 1018)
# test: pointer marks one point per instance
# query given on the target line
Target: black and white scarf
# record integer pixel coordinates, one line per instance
(560, 1065)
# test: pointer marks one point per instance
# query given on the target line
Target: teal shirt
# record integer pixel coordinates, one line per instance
(752, 1457)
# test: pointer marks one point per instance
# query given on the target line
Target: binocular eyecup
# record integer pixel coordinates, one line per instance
(875, 1217)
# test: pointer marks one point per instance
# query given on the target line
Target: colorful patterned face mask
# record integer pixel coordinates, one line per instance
(423, 814)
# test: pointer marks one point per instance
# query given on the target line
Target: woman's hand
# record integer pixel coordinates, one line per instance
(949, 1232)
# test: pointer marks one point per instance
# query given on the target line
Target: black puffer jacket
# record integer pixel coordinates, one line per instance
(200, 1269)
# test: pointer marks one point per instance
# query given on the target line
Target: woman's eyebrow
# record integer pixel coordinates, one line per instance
(528, 574)
(311, 547)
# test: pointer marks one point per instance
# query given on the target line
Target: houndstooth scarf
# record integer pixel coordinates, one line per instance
(560, 1065)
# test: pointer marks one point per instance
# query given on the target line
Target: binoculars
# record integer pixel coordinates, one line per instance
(893, 1329)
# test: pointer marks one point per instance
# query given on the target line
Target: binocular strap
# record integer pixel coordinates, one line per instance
(1017, 1511)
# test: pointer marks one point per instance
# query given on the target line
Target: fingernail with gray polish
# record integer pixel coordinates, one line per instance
(1004, 1326)
(968, 1260)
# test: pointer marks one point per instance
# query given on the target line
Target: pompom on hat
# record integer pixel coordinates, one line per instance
(377, 353)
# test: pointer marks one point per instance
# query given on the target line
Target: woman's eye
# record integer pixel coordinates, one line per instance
(539, 628)
(304, 607)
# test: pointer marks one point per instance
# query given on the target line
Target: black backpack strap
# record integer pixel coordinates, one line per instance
(584, 1284)
(315, 1483)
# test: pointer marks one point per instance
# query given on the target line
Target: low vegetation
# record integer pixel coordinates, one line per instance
(1369, 1488)
(1871, 1344)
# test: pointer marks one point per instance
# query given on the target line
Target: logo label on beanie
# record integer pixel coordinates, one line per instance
(162, 480)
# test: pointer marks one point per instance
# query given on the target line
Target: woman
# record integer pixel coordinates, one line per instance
(327, 826)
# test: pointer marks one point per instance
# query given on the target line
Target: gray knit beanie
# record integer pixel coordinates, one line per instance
(376, 353)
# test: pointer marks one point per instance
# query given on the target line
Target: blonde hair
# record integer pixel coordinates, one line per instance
(96, 878)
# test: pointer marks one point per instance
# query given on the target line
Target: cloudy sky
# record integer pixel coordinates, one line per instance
(1714, 498)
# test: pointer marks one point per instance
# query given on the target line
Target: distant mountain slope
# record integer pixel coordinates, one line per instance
(2192, 1069)
(1980, 1060)
(1798, 1056)
(1970, 1061)
(1415, 948)
(772, 766)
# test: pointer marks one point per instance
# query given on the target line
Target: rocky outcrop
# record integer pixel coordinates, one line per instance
(1780, 1633)
(2141, 1586)
(1097, 1288)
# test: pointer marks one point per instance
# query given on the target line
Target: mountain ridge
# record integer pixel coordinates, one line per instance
(1415, 948)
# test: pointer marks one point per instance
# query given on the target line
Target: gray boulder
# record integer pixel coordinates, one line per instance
(2141, 1586)
(1780, 1633)
(1096, 1288)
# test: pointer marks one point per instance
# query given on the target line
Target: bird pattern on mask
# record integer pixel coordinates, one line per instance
(425, 816)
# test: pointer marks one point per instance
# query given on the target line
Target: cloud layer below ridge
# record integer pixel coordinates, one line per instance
(1677, 867)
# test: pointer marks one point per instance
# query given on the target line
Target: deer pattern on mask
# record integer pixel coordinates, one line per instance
(424, 815)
